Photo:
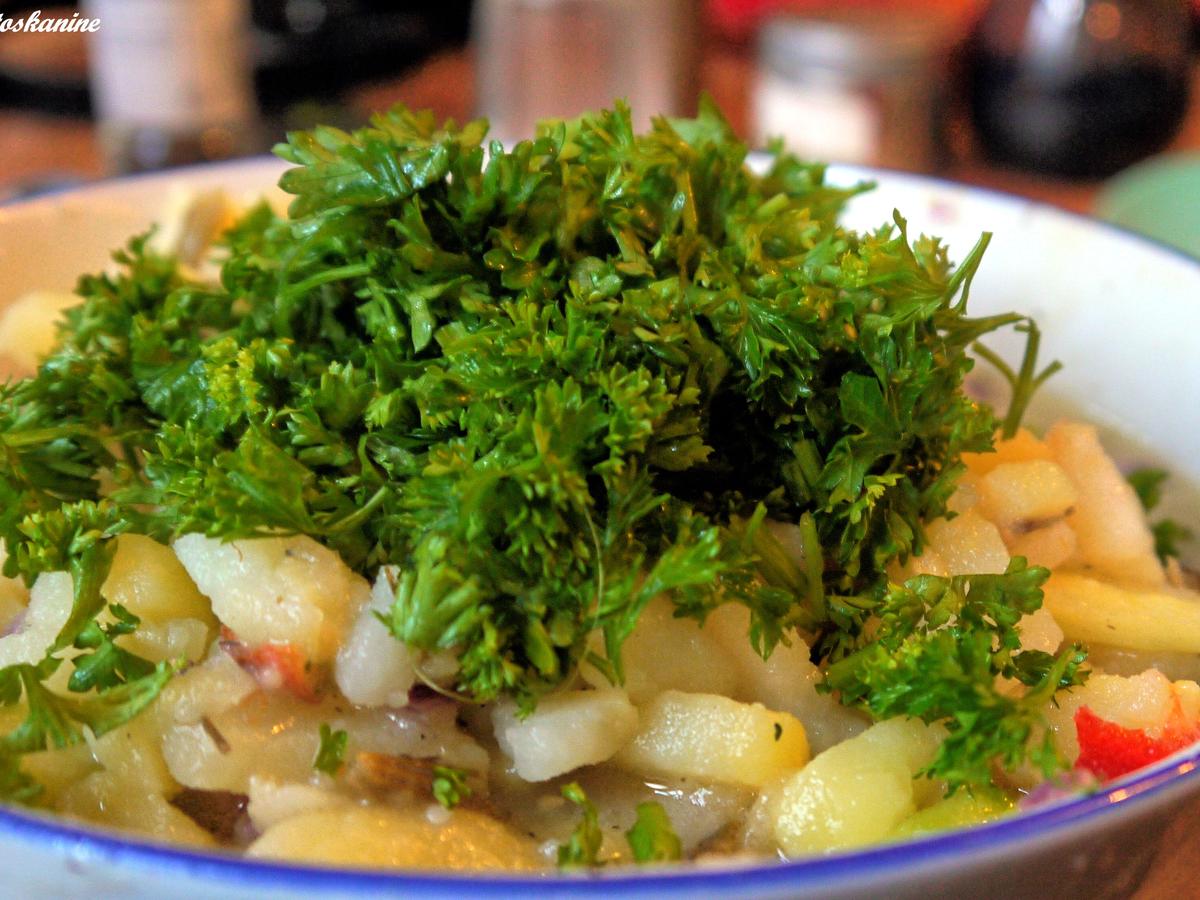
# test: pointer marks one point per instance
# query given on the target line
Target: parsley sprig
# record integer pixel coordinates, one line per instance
(549, 383)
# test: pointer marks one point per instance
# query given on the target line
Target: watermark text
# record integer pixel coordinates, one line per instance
(33, 23)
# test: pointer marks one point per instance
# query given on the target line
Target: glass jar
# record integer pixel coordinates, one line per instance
(864, 87)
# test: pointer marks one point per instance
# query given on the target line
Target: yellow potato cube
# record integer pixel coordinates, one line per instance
(666, 653)
(148, 580)
(412, 839)
(854, 793)
(1090, 610)
(1108, 518)
(1051, 546)
(968, 544)
(714, 738)
(1017, 495)
(1021, 447)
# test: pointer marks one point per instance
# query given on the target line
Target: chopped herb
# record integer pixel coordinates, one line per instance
(1147, 484)
(332, 751)
(778, 731)
(652, 839)
(583, 847)
(550, 383)
(1168, 534)
(450, 786)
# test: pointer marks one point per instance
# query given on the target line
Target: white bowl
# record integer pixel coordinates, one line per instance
(1121, 313)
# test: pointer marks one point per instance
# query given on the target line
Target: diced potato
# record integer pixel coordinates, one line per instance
(271, 802)
(29, 328)
(714, 738)
(148, 580)
(1108, 518)
(179, 639)
(190, 221)
(966, 494)
(268, 735)
(1051, 546)
(1090, 610)
(273, 735)
(666, 653)
(566, 731)
(1016, 495)
(786, 681)
(968, 544)
(130, 788)
(50, 603)
(1021, 447)
(379, 836)
(207, 689)
(117, 803)
(1039, 631)
(372, 667)
(277, 590)
(964, 808)
(854, 793)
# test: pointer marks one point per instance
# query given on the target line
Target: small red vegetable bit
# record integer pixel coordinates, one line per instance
(1109, 750)
(275, 666)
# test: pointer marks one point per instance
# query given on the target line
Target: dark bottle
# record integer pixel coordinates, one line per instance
(1078, 88)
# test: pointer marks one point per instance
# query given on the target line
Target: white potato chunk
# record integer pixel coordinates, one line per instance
(1090, 610)
(666, 653)
(854, 793)
(131, 787)
(190, 221)
(148, 579)
(565, 731)
(1016, 495)
(277, 590)
(1039, 631)
(213, 686)
(29, 328)
(968, 544)
(379, 836)
(1051, 546)
(271, 802)
(50, 602)
(1108, 518)
(272, 735)
(786, 681)
(179, 639)
(714, 738)
(373, 668)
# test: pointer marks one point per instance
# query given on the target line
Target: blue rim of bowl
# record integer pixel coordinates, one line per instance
(85, 844)
(1131, 793)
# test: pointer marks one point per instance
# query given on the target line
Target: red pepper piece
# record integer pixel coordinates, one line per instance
(1109, 750)
(275, 666)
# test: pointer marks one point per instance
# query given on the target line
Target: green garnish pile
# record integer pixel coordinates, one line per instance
(550, 383)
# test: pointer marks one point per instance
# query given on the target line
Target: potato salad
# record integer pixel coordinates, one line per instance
(597, 501)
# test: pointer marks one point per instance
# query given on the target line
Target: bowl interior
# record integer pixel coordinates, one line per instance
(1121, 313)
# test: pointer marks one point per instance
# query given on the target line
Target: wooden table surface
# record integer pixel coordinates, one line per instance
(34, 148)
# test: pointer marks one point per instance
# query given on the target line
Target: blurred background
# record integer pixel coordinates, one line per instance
(1087, 104)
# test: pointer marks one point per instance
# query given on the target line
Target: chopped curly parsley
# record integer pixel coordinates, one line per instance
(549, 383)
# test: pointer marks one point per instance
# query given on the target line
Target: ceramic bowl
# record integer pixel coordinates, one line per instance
(1121, 313)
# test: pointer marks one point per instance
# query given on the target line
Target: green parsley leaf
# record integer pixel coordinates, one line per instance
(583, 847)
(332, 750)
(450, 786)
(1168, 534)
(652, 839)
